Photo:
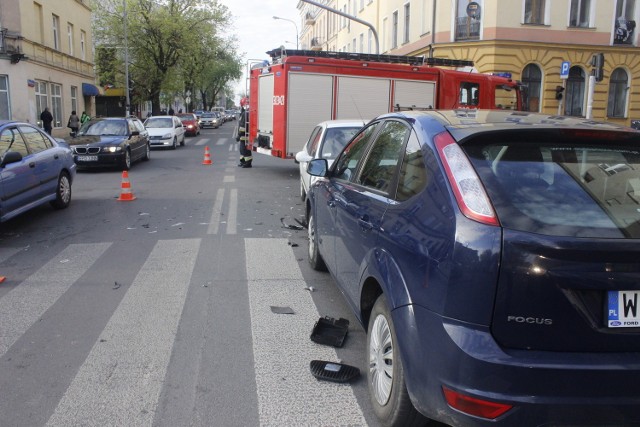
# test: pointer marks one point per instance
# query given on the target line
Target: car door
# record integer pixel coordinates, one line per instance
(45, 159)
(329, 194)
(361, 205)
(177, 124)
(310, 150)
(18, 181)
(136, 140)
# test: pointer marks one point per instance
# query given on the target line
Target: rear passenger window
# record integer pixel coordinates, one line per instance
(36, 141)
(413, 173)
(11, 140)
(381, 164)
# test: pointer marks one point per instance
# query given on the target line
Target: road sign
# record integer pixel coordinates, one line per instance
(564, 69)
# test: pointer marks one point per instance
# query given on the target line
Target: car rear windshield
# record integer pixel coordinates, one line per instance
(568, 183)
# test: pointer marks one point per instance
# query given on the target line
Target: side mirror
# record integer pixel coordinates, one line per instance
(318, 167)
(10, 157)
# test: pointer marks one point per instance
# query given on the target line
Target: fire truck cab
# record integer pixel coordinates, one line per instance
(299, 89)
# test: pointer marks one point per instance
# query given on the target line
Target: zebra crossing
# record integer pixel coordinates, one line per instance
(123, 378)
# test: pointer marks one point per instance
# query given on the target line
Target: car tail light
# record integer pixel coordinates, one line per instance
(473, 406)
(470, 195)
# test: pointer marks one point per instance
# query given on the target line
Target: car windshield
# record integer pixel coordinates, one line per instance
(104, 128)
(208, 115)
(335, 139)
(159, 122)
(186, 117)
(578, 186)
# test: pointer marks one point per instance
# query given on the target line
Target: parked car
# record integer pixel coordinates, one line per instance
(34, 169)
(111, 142)
(211, 119)
(493, 258)
(190, 123)
(165, 131)
(326, 141)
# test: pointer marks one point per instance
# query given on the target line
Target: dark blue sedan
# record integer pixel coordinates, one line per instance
(34, 169)
(494, 259)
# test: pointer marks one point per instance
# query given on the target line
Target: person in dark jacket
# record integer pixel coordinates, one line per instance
(47, 120)
(243, 138)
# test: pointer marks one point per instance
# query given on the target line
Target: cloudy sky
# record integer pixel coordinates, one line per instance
(258, 32)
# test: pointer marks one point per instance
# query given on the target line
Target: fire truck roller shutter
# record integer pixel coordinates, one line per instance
(362, 97)
(265, 104)
(417, 94)
(310, 102)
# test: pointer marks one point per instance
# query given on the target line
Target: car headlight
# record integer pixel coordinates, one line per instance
(111, 149)
(166, 136)
(189, 126)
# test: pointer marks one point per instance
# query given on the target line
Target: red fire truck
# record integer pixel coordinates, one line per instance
(299, 89)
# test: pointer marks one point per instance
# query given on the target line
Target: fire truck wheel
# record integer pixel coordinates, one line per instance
(315, 259)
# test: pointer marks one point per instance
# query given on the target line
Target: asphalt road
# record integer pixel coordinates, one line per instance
(159, 311)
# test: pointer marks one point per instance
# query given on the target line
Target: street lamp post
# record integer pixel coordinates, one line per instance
(126, 58)
(296, 25)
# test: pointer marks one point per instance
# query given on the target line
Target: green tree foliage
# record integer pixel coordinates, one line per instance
(166, 40)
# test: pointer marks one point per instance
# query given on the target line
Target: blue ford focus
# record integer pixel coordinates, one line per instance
(34, 169)
(494, 259)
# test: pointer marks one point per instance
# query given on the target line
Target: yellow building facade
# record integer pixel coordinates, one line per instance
(549, 45)
(46, 60)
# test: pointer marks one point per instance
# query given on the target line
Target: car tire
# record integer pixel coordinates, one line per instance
(126, 162)
(385, 376)
(182, 142)
(147, 154)
(175, 143)
(315, 259)
(63, 192)
(303, 194)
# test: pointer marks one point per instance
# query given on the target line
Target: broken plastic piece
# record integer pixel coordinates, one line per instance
(329, 331)
(331, 371)
(291, 227)
(282, 310)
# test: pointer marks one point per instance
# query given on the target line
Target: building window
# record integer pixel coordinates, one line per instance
(56, 104)
(42, 98)
(579, 15)
(574, 99)
(407, 20)
(618, 88)
(5, 105)
(467, 28)
(38, 20)
(532, 78)
(385, 24)
(625, 24)
(55, 22)
(394, 30)
(70, 38)
(83, 39)
(74, 98)
(534, 11)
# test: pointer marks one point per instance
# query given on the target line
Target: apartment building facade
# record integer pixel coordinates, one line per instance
(46, 60)
(549, 45)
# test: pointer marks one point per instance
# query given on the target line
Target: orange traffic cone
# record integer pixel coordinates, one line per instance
(126, 195)
(207, 157)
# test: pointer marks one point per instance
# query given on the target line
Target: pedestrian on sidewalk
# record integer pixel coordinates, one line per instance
(73, 123)
(47, 120)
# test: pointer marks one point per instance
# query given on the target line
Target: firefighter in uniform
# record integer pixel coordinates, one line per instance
(243, 138)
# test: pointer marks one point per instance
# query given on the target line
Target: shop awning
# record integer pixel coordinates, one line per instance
(90, 90)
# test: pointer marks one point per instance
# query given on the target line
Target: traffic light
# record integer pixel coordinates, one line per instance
(559, 90)
(597, 61)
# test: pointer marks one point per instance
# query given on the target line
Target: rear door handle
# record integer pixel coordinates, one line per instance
(32, 164)
(365, 224)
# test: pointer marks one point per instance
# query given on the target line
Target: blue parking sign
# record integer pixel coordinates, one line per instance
(564, 69)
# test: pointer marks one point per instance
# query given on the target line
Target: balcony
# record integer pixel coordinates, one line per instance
(309, 19)
(316, 43)
(467, 28)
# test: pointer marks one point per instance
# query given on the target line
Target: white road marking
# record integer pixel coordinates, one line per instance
(288, 395)
(232, 217)
(122, 377)
(214, 222)
(203, 141)
(25, 304)
(229, 178)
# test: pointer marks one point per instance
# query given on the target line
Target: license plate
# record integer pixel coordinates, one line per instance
(623, 310)
(88, 158)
